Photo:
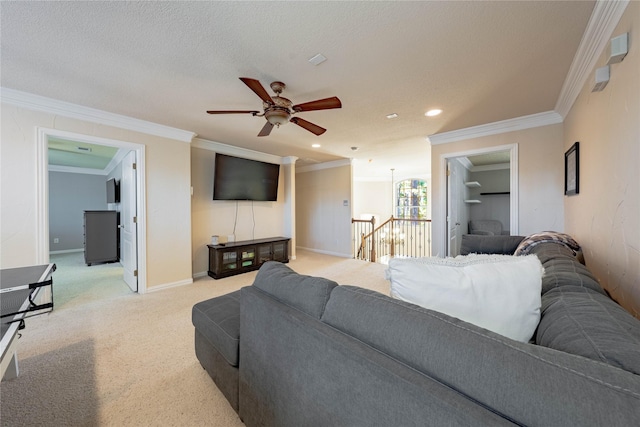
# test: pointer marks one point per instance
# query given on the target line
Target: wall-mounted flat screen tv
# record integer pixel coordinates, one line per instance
(243, 179)
(113, 191)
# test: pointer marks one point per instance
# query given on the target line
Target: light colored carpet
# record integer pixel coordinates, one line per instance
(106, 356)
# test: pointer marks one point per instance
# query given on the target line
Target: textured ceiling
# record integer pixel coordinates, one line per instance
(169, 62)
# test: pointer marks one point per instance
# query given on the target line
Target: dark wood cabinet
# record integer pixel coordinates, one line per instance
(247, 255)
(101, 236)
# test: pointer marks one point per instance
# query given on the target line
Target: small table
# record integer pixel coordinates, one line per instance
(19, 287)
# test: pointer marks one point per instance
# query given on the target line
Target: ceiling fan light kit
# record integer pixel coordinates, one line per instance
(278, 109)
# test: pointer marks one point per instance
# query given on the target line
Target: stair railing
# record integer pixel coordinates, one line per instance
(394, 237)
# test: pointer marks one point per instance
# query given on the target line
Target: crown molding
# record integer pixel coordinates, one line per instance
(504, 126)
(71, 169)
(74, 111)
(325, 165)
(231, 150)
(603, 21)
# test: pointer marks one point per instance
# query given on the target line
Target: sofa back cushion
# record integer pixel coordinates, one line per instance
(306, 293)
(479, 244)
(562, 268)
(526, 383)
(580, 321)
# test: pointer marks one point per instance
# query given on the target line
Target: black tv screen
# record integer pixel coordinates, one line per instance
(113, 193)
(243, 179)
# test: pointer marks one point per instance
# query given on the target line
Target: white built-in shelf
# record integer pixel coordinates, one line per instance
(472, 184)
(472, 201)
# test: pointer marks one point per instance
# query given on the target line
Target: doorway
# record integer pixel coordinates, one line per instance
(136, 196)
(456, 209)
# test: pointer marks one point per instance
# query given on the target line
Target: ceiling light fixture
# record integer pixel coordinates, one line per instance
(277, 115)
(316, 145)
(432, 113)
(392, 116)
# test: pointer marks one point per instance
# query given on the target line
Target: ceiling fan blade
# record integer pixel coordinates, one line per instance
(266, 129)
(308, 126)
(320, 104)
(257, 87)
(232, 112)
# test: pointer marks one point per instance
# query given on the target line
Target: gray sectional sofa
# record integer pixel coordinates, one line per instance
(294, 350)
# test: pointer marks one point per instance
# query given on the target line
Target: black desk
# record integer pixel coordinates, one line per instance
(19, 288)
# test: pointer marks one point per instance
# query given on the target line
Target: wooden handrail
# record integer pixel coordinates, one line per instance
(392, 238)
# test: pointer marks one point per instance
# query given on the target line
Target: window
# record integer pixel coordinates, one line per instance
(411, 199)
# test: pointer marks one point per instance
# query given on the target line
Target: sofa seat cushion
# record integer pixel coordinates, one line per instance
(218, 320)
(580, 321)
(306, 293)
(497, 292)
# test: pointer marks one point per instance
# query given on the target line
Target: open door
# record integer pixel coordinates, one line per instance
(128, 221)
(454, 200)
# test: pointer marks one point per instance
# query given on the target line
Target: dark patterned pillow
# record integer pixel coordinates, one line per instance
(524, 248)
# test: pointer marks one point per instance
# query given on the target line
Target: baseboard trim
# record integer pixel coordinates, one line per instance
(66, 251)
(320, 251)
(169, 285)
(200, 274)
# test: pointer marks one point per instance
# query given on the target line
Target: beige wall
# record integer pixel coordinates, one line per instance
(540, 178)
(605, 216)
(168, 211)
(323, 223)
(218, 217)
(372, 197)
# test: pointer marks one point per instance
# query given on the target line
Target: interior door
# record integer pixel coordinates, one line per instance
(454, 200)
(128, 221)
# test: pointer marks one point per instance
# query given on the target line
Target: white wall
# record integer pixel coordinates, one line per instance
(254, 220)
(323, 222)
(494, 206)
(605, 216)
(168, 208)
(372, 198)
(70, 194)
(540, 178)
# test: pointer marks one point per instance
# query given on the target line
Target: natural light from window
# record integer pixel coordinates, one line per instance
(411, 199)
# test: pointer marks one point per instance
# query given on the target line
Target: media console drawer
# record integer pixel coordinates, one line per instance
(247, 255)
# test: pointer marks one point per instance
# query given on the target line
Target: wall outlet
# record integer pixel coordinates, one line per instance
(56, 240)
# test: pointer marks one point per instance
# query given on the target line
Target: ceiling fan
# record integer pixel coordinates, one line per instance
(278, 110)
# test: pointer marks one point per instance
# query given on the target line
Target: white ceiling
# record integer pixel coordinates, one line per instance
(169, 62)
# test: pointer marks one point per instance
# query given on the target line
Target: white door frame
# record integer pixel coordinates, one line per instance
(42, 190)
(513, 186)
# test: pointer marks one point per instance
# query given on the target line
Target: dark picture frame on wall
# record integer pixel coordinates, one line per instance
(572, 170)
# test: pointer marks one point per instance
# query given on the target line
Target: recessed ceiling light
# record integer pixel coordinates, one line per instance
(316, 145)
(433, 112)
(392, 116)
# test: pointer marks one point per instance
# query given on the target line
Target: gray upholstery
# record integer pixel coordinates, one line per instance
(577, 315)
(487, 227)
(218, 320)
(316, 354)
(484, 244)
(217, 341)
(580, 321)
(307, 293)
(530, 384)
(221, 372)
(297, 371)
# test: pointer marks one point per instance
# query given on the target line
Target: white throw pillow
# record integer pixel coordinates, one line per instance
(496, 292)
